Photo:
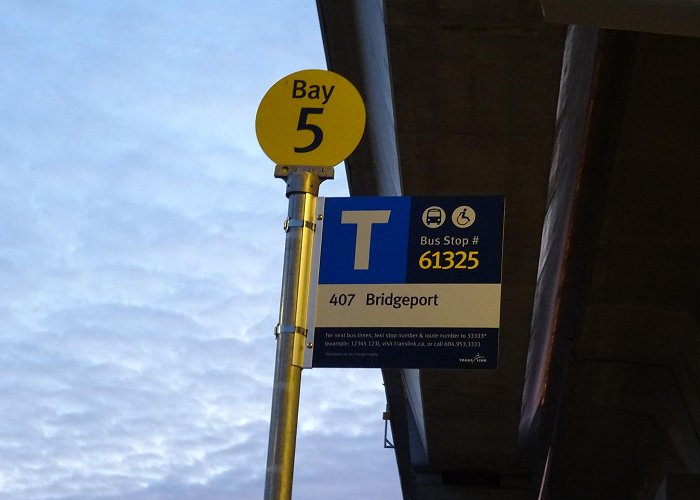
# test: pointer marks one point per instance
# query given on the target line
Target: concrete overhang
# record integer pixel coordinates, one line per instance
(593, 137)
(433, 78)
(673, 17)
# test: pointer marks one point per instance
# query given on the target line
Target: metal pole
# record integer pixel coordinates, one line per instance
(302, 190)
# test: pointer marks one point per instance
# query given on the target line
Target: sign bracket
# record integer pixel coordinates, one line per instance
(281, 329)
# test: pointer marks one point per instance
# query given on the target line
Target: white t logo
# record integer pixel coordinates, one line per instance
(364, 220)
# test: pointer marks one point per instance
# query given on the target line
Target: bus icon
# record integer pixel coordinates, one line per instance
(433, 217)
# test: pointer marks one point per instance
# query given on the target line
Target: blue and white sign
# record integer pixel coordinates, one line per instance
(406, 282)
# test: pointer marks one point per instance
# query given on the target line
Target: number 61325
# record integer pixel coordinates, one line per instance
(448, 259)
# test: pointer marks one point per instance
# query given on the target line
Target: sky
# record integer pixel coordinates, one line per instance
(141, 252)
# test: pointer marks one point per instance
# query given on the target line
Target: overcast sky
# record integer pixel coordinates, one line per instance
(141, 253)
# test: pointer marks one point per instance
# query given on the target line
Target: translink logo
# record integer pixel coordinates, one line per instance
(364, 239)
(364, 219)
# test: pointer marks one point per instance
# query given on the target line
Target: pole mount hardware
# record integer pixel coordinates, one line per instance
(302, 179)
(288, 223)
(290, 329)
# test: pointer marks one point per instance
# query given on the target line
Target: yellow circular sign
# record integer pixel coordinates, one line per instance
(314, 118)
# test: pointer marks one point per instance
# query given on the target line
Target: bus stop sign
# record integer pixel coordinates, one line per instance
(406, 282)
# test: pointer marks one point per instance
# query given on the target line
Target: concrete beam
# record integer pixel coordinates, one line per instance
(671, 17)
(354, 38)
(591, 104)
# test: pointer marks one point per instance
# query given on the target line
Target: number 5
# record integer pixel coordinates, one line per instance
(473, 259)
(315, 129)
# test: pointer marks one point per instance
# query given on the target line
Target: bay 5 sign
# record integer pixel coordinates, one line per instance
(312, 118)
(406, 282)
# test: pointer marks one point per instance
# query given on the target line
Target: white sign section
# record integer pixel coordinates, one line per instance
(406, 282)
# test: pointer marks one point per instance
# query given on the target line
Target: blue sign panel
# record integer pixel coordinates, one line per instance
(384, 221)
(408, 282)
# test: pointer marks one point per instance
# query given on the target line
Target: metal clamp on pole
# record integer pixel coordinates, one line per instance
(290, 329)
(288, 223)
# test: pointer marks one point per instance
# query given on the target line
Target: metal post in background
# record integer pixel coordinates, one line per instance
(302, 191)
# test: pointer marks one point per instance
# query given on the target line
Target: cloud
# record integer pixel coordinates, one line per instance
(112, 391)
(141, 250)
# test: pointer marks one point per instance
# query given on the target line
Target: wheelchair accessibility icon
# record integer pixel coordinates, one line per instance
(463, 216)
